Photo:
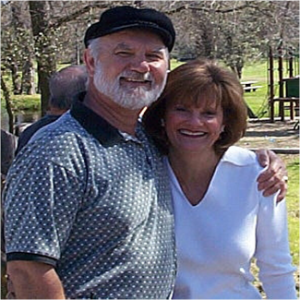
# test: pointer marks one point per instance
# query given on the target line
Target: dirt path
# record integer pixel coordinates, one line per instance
(278, 135)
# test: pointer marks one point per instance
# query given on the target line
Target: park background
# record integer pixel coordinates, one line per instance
(40, 37)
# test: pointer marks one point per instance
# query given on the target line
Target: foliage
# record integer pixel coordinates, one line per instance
(233, 31)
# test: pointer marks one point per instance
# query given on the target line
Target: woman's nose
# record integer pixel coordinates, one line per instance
(195, 119)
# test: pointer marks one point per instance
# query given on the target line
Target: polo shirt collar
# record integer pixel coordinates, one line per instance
(98, 127)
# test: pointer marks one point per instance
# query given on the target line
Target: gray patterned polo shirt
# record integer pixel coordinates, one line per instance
(96, 205)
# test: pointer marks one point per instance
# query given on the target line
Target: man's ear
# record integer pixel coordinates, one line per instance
(89, 62)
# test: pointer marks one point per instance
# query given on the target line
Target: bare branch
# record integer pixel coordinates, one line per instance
(76, 14)
(223, 11)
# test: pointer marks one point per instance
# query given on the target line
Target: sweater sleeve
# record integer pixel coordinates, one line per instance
(272, 250)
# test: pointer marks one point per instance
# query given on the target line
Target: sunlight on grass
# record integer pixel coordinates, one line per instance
(292, 199)
(27, 102)
(258, 100)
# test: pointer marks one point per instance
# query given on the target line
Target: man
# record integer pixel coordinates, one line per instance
(88, 205)
(63, 85)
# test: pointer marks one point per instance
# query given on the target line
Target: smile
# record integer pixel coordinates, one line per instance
(135, 80)
(133, 83)
(192, 133)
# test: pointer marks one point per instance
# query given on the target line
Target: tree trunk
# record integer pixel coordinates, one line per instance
(23, 37)
(45, 50)
(8, 105)
(14, 67)
(15, 78)
(28, 86)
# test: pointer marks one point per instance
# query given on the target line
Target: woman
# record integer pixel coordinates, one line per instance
(222, 220)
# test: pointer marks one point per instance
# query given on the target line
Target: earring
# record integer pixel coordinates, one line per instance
(162, 122)
(222, 128)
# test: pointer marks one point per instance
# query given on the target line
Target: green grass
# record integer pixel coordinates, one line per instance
(27, 102)
(258, 100)
(292, 200)
(175, 63)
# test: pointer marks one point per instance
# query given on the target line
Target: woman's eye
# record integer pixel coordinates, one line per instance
(180, 108)
(210, 113)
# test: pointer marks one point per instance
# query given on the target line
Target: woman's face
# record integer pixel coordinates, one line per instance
(193, 128)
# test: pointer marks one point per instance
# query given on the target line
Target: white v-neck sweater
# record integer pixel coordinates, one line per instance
(233, 223)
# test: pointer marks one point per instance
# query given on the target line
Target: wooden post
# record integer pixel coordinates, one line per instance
(291, 72)
(291, 69)
(281, 83)
(271, 84)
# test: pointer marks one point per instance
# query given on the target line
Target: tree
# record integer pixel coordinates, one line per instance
(17, 47)
(7, 97)
(44, 47)
(24, 37)
(231, 31)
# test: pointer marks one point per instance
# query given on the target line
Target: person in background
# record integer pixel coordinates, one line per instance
(222, 221)
(63, 85)
(87, 202)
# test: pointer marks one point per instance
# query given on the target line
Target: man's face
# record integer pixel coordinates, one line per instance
(131, 67)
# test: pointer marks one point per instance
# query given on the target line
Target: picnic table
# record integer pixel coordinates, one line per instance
(249, 85)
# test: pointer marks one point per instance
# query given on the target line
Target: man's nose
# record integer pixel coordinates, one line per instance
(140, 64)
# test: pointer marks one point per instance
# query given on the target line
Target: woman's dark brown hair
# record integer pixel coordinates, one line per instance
(192, 83)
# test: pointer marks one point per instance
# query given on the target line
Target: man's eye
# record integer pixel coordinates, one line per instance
(123, 53)
(154, 56)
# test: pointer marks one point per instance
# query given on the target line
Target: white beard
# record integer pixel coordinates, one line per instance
(131, 98)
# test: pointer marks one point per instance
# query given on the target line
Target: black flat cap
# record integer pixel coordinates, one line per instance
(126, 17)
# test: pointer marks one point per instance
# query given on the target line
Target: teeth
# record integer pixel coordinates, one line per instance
(134, 80)
(141, 80)
(186, 132)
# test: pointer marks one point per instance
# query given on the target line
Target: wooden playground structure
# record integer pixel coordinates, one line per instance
(286, 93)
